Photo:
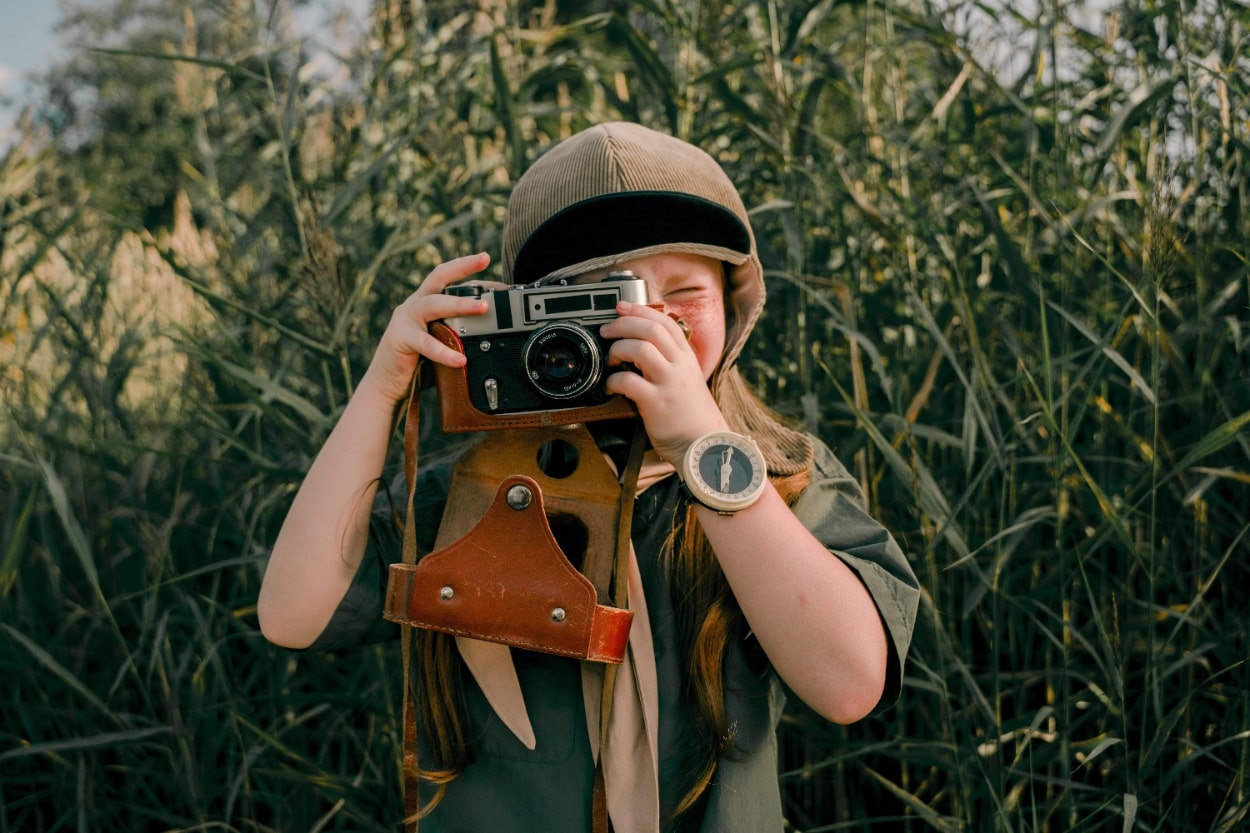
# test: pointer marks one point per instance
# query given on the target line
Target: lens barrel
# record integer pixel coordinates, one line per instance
(562, 360)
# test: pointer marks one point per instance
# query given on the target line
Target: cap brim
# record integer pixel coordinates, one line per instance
(597, 232)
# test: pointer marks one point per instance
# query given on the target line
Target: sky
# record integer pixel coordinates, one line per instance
(28, 43)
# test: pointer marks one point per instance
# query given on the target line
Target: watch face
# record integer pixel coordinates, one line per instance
(726, 467)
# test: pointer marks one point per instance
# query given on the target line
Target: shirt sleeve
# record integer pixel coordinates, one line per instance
(832, 508)
(358, 618)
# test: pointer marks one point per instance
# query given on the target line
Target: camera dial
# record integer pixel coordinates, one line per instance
(466, 290)
(562, 360)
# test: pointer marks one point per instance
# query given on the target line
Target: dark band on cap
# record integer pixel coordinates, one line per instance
(617, 223)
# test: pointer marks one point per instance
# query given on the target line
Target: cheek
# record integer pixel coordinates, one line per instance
(707, 331)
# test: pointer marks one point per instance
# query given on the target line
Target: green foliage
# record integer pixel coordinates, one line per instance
(1014, 299)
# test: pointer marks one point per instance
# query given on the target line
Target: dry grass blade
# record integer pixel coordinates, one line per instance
(106, 740)
(928, 814)
(60, 672)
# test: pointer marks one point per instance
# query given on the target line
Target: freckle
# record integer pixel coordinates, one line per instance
(802, 600)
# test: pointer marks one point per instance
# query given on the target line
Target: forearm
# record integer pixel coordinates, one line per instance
(810, 612)
(323, 537)
(325, 531)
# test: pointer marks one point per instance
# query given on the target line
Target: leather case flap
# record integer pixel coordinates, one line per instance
(508, 581)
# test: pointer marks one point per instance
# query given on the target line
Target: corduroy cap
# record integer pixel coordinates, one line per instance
(619, 191)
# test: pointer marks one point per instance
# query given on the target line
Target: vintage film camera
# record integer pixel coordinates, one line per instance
(535, 357)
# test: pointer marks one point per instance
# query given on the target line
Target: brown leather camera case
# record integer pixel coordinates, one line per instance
(498, 572)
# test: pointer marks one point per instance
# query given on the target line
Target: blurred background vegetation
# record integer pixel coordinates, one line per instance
(1007, 262)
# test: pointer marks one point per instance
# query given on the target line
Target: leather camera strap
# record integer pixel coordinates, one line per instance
(600, 821)
(411, 766)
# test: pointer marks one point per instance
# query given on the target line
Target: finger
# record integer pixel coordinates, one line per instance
(453, 271)
(438, 352)
(655, 327)
(627, 383)
(418, 342)
(669, 321)
(648, 359)
(423, 309)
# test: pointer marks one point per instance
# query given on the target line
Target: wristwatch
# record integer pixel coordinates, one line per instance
(724, 471)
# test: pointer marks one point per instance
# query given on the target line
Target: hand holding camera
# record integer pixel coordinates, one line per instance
(407, 338)
(670, 387)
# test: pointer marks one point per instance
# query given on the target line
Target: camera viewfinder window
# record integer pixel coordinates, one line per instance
(562, 304)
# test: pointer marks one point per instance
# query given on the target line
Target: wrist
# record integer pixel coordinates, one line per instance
(382, 392)
(674, 449)
(390, 376)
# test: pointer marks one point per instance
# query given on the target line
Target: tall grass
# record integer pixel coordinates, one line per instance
(1014, 298)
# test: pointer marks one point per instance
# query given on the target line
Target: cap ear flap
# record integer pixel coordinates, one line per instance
(744, 301)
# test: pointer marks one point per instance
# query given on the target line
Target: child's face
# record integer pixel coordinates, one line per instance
(691, 287)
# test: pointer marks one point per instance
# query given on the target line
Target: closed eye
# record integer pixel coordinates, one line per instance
(686, 292)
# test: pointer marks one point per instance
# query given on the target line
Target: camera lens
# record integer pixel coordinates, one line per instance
(562, 360)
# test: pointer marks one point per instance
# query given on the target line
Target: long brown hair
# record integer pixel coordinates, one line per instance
(440, 708)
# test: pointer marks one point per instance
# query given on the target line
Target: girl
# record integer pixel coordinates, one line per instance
(786, 588)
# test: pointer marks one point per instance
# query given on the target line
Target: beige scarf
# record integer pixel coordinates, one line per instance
(631, 757)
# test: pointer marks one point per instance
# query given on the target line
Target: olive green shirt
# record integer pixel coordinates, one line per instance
(508, 787)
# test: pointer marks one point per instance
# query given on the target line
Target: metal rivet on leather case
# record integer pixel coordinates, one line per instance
(519, 497)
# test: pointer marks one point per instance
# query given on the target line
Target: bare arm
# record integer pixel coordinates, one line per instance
(812, 615)
(323, 536)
